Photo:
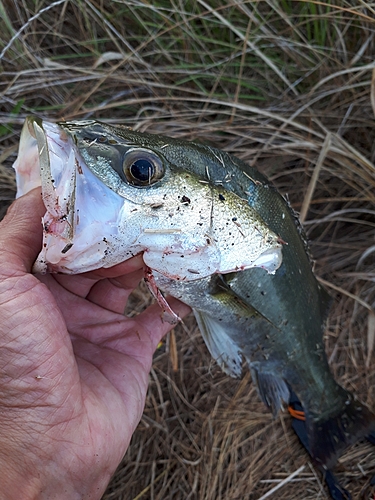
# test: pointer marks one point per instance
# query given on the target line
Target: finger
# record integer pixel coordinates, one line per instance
(152, 320)
(77, 284)
(81, 284)
(21, 232)
(126, 267)
(135, 337)
(113, 293)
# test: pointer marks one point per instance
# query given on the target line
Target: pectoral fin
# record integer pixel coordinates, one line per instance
(221, 346)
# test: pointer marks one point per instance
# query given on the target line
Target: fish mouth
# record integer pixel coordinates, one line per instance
(75, 233)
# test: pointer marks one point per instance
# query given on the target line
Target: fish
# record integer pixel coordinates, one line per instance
(214, 233)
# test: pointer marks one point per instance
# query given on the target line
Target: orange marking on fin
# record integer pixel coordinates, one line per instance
(299, 415)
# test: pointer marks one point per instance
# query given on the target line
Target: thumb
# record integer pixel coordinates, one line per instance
(21, 232)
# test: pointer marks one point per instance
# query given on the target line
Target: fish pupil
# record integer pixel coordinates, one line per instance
(142, 169)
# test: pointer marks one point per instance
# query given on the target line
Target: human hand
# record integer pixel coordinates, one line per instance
(73, 369)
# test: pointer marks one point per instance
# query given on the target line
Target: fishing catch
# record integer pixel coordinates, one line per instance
(215, 234)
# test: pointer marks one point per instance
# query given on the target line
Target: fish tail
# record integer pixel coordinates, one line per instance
(328, 436)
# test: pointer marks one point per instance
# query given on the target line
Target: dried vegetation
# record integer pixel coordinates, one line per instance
(285, 85)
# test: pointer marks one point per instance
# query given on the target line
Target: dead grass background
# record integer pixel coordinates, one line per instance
(285, 85)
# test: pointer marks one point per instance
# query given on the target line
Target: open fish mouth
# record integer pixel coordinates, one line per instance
(49, 158)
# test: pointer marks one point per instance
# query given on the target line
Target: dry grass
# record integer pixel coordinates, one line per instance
(285, 85)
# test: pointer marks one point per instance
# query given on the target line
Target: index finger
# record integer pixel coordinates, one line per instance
(128, 266)
(123, 275)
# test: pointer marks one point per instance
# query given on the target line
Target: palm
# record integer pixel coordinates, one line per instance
(74, 368)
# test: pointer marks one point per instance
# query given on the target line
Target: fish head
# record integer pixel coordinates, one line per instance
(111, 193)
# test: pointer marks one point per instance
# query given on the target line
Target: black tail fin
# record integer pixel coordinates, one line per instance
(329, 436)
(336, 491)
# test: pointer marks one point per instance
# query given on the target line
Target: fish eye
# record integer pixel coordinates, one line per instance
(142, 167)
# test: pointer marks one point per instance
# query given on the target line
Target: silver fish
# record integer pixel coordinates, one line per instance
(215, 234)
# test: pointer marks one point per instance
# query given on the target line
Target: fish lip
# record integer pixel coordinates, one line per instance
(32, 121)
(36, 129)
(58, 195)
